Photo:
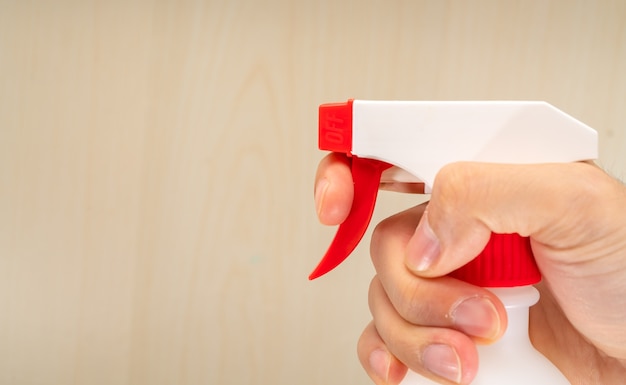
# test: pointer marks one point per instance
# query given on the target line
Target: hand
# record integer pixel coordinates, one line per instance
(575, 215)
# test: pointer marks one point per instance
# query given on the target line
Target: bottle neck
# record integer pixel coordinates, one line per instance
(511, 360)
(517, 301)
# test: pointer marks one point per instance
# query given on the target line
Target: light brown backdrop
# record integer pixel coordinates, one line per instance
(157, 160)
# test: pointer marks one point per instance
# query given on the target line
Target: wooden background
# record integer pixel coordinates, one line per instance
(157, 160)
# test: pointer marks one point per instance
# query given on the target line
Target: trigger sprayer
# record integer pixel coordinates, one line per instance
(410, 141)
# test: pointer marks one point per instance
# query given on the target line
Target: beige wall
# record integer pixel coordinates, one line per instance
(157, 160)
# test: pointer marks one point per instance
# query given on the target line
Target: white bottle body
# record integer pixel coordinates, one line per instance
(512, 360)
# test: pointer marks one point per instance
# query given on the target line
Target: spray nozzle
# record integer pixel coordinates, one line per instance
(421, 137)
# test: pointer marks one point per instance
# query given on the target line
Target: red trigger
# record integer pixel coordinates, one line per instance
(366, 175)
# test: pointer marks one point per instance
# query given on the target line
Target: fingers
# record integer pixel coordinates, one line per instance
(470, 200)
(441, 354)
(378, 362)
(428, 324)
(441, 302)
(334, 191)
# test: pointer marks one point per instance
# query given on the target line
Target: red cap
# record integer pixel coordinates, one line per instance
(506, 261)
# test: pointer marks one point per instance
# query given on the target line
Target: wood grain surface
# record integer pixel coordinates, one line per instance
(157, 160)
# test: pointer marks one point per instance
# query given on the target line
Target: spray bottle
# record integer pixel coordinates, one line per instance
(409, 142)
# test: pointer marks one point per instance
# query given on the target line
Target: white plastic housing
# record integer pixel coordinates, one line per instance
(420, 137)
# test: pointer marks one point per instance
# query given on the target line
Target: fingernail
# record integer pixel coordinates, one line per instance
(423, 248)
(477, 316)
(320, 191)
(379, 362)
(442, 361)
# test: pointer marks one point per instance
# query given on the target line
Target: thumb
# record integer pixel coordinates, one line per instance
(547, 202)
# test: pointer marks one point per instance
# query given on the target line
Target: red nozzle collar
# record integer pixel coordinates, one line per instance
(506, 261)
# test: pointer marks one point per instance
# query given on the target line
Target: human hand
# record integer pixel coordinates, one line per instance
(575, 215)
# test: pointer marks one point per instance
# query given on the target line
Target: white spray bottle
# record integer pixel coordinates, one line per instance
(409, 141)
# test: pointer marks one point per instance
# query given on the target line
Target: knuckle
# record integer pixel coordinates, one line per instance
(382, 232)
(594, 195)
(453, 185)
(413, 305)
(594, 183)
(383, 229)
(392, 234)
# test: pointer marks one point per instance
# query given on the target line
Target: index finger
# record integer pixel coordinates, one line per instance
(334, 188)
